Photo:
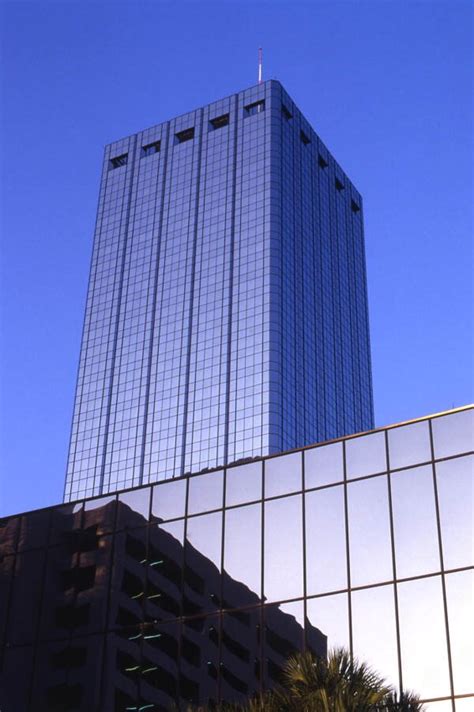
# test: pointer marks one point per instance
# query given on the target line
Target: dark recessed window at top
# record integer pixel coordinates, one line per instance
(219, 122)
(186, 135)
(286, 113)
(339, 185)
(304, 138)
(322, 163)
(254, 108)
(151, 148)
(354, 207)
(118, 161)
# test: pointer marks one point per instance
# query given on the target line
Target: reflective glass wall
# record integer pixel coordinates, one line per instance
(198, 588)
(226, 314)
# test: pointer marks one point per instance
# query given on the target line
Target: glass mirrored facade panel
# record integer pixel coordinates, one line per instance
(169, 500)
(283, 475)
(326, 556)
(101, 510)
(365, 455)
(423, 638)
(453, 434)
(202, 589)
(440, 706)
(376, 643)
(460, 598)
(134, 507)
(329, 614)
(206, 492)
(323, 465)
(409, 445)
(456, 508)
(414, 520)
(283, 549)
(283, 637)
(369, 531)
(243, 555)
(206, 607)
(243, 483)
(463, 705)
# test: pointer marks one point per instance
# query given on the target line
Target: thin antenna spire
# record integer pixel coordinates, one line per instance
(260, 65)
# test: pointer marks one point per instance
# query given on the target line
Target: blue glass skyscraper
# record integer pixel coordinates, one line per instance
(226, 315)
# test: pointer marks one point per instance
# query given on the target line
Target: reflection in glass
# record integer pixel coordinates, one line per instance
(243, 555)
(409, 444)
(455, 495)
(440, 706)
(366, 455)
(202, 578)
(243, 483)
(460, 597)
(423, 637)
(323, 465)
(240, 654)
(374, 632)
(369, 531)
(32, 533)
(326, 568)
(463, 705)
(453, 434)
(284, 636)
(330, 615)
(100, 511)
(283, 474)
(169, 499)
(283, 559)
(204, 534)
(138, 500)
(64, 519)
(205, 492)
(414, 522)
(199, 653)
(98, 502)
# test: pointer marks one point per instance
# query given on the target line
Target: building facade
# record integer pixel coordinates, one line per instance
(226, 315)
(196, 589)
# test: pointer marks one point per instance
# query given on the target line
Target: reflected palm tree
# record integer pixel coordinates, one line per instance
(339, 683)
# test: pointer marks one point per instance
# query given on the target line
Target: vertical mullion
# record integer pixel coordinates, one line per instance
(441, 558)
(394, 564)
(348, 556)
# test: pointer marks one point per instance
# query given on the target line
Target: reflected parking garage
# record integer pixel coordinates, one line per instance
(197, 589)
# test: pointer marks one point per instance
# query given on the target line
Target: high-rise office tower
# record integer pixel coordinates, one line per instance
(226, 315)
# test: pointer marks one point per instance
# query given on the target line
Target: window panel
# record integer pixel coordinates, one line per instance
(243, 555)
(326, 567)
(283, 562)
(374, 631)
(460, 598)
(133, 507)
(414, 522)
(323, 465)
(283, 474)
(453, 434)
(169, 500)
(455, 492)
(243, 483)
(369, 531)
(409, 445)
(423, 637)
(365, 455)
(205, 492)
(329, 615)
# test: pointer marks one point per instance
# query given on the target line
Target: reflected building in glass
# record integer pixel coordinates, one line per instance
(226, 315)
(196, 589)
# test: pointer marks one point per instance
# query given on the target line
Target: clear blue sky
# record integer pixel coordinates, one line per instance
(385, 84)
